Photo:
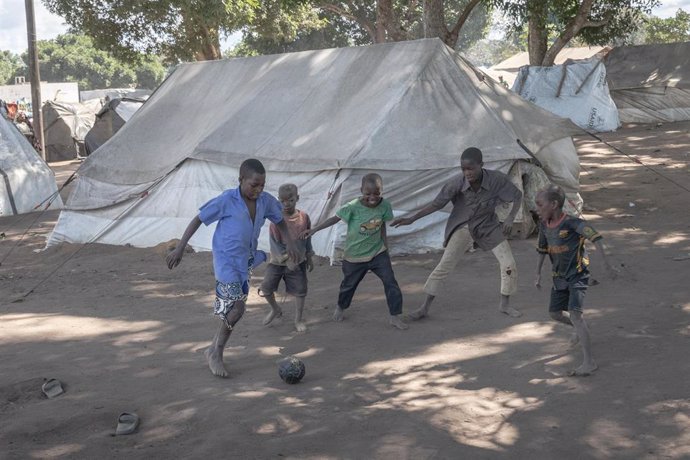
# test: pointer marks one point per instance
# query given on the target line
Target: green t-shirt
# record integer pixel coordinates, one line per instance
(364, 240)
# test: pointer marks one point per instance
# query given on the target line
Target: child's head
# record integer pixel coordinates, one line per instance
(550, 202)
(288, 197)
(372, 188)
(471, 162)
(252, 178)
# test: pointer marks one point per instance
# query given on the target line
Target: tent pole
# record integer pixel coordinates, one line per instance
(35, 77)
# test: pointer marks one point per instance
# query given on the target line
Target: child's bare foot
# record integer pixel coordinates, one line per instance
(300, 326)
(510, 311)
(584, 370)
(397, 322)
(574, 339)
(421, 312)
(215, 363)
(338, 314)
(273, 314)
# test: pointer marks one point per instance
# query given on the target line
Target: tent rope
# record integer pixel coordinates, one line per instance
(140, 196)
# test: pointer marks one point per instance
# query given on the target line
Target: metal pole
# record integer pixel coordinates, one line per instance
(35, 77)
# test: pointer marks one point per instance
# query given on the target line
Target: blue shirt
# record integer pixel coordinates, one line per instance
(235, 238)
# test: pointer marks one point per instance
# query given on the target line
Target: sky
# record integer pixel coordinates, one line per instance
(48, 26)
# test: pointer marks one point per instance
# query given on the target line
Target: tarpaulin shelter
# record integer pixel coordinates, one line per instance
(650, 83)
(319, 119)
(113, 116)
(65, 126)
(26, 181)
(509, 68)
(576, 89)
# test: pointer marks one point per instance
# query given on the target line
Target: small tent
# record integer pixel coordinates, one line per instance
(26, 181)
(650, 83)
(113, 116)
(576, 89)
(318, 119)
(508, 69)
(65, 125)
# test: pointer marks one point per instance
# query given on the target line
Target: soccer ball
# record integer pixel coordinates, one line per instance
(291, 370)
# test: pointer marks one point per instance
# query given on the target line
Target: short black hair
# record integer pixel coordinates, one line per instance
(472, 154)
(288, 188)
(373, 179)
(554, 193)
(251, 166)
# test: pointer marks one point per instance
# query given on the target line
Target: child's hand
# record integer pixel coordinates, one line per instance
(612, 271)
(305, 234)
(173, 259)
(310, 264)
(537, 281)
(400, 221)
(507, 227)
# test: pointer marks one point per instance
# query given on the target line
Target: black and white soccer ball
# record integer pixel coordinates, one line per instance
(291, 369)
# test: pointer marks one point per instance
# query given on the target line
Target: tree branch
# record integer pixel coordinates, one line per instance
(365, 23)
(463, 17)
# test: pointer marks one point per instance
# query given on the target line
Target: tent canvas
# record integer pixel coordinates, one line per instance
(65, 126)
(651, 83)
(113, 116)
(576, 89)
(113, 93)
(319, 119)
(26, 181)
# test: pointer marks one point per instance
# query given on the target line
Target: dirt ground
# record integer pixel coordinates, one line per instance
(123, 333)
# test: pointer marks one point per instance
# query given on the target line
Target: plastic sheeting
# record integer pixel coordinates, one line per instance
(319, 119)
(25, 179)
(576, 90)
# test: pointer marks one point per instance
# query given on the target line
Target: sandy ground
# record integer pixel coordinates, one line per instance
(126, 334)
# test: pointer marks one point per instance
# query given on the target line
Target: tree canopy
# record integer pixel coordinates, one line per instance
(669, 30)
(74, 58)
(552, 25)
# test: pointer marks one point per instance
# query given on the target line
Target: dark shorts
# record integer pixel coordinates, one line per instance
(568, 295)
(295, 280)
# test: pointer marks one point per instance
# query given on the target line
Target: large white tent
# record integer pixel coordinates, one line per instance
(26, 181)
(650, 83)
(319, 119)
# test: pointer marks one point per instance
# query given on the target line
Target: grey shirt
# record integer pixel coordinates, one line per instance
(477, 209)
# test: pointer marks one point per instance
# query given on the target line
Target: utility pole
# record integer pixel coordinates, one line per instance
(34, 77)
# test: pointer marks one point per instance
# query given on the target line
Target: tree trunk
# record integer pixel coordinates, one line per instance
(571, 30)
(434, 20)
(387, 24)
(537, 36)
(208, 45)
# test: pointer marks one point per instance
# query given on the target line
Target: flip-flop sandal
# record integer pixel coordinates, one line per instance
(127, 423)
(575, 373)
(52, 388)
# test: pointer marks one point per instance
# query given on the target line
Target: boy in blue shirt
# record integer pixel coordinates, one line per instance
(366, 247)
(240, 214)
(562, 237)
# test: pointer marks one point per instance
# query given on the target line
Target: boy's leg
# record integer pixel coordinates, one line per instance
(353, 273)
(577, 296)
(506, 262)
(458, 243)
(296, 285)
(272, 277)
(214, 354)
(559, 302)
(299, 308)
(381, 266)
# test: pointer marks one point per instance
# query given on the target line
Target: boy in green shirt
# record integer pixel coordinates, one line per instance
(365, 247)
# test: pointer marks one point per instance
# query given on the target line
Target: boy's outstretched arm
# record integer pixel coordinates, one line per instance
(293, 253)
(325, 224)
(425, 211)
(540, 264)
(610, 269)
(174, 258)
